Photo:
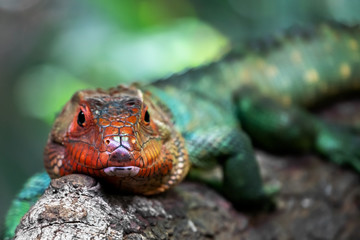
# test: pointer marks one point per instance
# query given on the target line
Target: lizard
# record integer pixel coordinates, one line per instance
(144, 138)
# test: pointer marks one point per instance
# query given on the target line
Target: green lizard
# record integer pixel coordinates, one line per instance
(143, 138)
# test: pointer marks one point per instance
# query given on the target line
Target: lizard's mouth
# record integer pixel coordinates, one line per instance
(126, 161)
(128, 171)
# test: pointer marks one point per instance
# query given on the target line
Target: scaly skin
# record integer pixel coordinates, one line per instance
(120, 136)
(142, 139)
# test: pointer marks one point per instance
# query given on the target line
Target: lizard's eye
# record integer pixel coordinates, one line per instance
(147, 117)
(81, 119)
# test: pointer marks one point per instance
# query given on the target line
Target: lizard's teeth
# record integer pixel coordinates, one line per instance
(129, 171)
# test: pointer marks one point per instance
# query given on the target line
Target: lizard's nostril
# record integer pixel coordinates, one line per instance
(112, 142)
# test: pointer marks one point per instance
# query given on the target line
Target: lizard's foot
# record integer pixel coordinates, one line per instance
(340, 146)
(264, 203)
(272, 189)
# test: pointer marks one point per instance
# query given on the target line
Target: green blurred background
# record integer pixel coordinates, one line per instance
(50, 49)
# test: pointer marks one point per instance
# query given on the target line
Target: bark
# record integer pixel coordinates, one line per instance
(76, 207)
(318, 200)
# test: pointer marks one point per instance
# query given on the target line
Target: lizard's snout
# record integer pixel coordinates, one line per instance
(118, 153)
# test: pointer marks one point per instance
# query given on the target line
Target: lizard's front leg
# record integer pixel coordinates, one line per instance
(28, 195)
(241, 183)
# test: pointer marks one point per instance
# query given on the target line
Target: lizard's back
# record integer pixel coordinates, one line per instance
(298, 69)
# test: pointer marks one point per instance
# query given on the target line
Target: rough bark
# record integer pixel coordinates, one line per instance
(318, 200)
(76, 207)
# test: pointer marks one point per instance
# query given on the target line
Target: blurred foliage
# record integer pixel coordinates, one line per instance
(50, 49)
(98, 51)
(250, 19)
(142, 14)
(116, 42)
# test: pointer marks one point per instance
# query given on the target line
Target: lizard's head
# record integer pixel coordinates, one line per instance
(119, 135)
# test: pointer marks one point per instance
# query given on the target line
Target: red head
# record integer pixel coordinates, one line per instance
(120, 136)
